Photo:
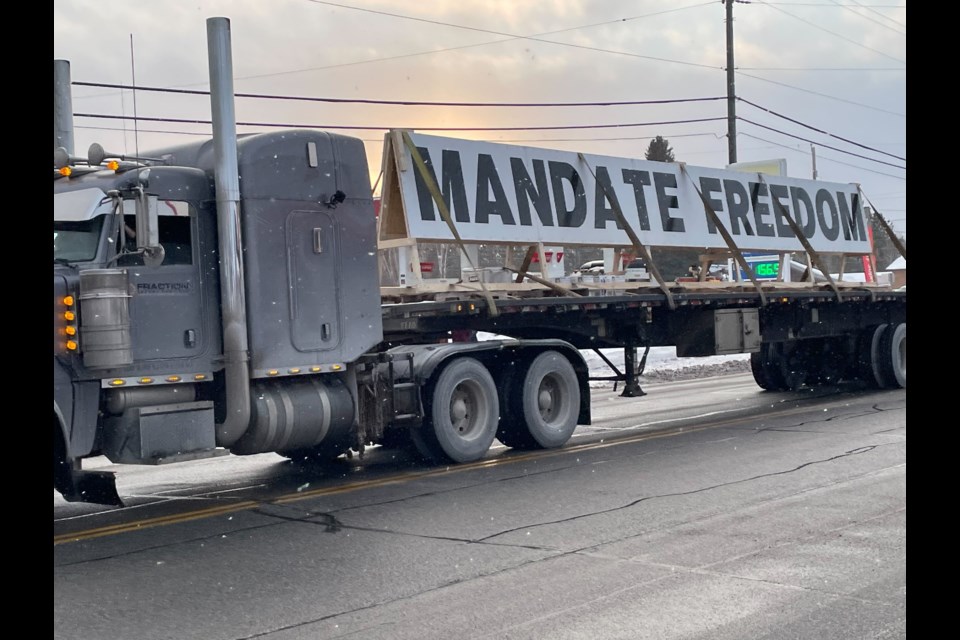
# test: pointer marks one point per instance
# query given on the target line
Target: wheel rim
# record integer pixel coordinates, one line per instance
(467, 414)
(548, 399)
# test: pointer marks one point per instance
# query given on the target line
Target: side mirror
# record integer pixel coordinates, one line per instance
(148, 227)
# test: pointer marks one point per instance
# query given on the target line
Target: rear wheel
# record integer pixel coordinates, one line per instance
(793, 364)
(762, 364)
(825, 361)
(542, 413)
(868, 356)
(462, 413)
(891, 357)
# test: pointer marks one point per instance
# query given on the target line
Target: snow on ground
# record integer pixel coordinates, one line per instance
(662, 364)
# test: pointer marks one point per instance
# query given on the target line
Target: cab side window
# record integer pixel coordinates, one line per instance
(175, 238)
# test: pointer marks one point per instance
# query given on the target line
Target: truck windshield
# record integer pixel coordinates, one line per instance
(76, 240)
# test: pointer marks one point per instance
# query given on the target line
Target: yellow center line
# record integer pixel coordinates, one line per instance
(152, 522)
(397, 479)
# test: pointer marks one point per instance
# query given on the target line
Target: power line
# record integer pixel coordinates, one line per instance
(618, 139)
(822, 95)
(382, 128)
(380, 140)
(518, 128)
(409, 103)
(812, 128)
(790, 135)
(860, 15)
(820, 4)
(872, 9)
(842, 37)
(501, 33)
(866, 69)
(535, 38)
(474, 104)
(776, 144)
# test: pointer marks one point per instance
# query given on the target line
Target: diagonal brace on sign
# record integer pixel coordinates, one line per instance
(445, 214)
(638, 246)
(734, 249)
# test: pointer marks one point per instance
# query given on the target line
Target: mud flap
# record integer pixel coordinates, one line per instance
(98, 487)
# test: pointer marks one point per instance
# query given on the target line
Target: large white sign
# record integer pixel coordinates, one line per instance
(524, 195)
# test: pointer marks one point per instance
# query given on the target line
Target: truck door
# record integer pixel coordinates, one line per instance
(166, 308)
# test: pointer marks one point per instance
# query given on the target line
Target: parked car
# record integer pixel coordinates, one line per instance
(593, 267)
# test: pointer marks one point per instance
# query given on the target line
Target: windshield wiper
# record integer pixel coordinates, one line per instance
(63, 261)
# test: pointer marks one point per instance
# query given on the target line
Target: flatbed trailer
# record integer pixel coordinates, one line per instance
(822, 330)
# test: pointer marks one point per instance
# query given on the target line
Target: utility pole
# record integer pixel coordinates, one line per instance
(731, 93)
(813, 156)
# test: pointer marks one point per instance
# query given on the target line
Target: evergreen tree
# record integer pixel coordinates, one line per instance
(659, 150)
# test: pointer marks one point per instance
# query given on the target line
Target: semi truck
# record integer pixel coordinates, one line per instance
(223, 297)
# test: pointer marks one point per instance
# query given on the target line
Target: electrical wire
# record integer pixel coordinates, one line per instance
(382, 128)
(812, 128)
(406, 103)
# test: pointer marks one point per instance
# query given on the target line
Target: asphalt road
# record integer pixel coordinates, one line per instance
(707, 509)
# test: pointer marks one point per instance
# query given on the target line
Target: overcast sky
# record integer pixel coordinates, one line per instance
(824, 73)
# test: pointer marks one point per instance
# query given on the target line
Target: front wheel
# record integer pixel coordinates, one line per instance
(462, 414)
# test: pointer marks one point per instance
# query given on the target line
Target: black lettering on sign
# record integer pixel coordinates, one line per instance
(487, 179)
(808, 222)
(779, 193)
(662, 182)
(450, 186)
(760, 209)
(851, 217)
(526, 192)
(574, 217)
(638, 179)
(163, 287)
(707, 187)
(831, 229)
(603, 213)
(738, 206)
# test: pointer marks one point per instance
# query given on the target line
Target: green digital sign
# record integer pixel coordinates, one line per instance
(767, 269)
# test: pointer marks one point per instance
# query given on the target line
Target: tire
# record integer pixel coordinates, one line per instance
(462, 413)
(891, 357)
(762, 365)
(868, 356)
(542, 413)
(825, 361)
(793, 365)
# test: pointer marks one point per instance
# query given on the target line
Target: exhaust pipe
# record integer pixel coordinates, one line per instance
(62, 107)
(232, 299)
